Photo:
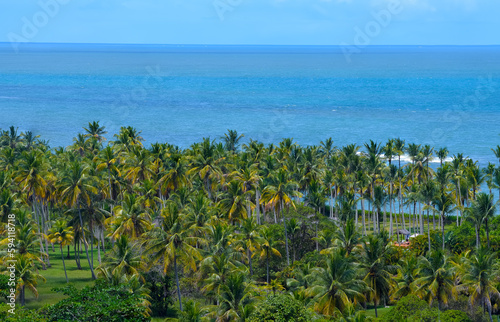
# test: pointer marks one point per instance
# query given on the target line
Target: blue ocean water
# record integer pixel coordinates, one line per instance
(443, 96)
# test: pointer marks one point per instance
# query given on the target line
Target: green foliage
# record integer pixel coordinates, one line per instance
(160, 288)
(462, 238)
(455, 316)
(280, 308)
(21, 315)
(97, 303)
(405, 308)
(4, 286)
(420, 244)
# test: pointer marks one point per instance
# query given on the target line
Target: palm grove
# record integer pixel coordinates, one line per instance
(223, 227)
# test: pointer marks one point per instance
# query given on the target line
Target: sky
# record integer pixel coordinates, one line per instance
(265, 22)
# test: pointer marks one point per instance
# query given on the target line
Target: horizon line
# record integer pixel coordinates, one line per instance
(277, 45)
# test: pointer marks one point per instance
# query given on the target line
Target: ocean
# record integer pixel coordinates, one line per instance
(443, 96)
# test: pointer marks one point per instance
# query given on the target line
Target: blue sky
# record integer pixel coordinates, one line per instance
(296, 22)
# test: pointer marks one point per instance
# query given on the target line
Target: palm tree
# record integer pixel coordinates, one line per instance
(124, 259)
(376, 270)
(267, 247)
(235, 298)
(77, 188)
(480, 272)
(26, 277)
(278, 195)
(172, 243)
(436, 279)
(484, 209)
(95, 131)
(231, 140)
(442, 154)
(131, 218)
(61, 234)
(250, 239)
(406, 277)
(336, 288)
(444, 205)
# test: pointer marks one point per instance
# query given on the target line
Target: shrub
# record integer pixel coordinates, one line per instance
(97, 303)
(406, 307)
(280, 308)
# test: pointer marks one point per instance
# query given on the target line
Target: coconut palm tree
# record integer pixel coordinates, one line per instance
(27, 277)
(375, 269)
(480, 271)
(124, 259)
(280, 194)
(444, 205)
(131, 218)
(436, 279)
(171, 243)
(61, 234)
(250, 239)
(267, 247)
(236, 301)
(231, 140)
(76, 189)
(336, 288)
(484, 209)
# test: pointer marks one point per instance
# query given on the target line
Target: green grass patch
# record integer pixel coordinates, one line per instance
(55, 277)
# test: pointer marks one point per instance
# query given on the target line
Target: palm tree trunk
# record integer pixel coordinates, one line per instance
(85, 242)
(21, 295)
(64, 264)
(177, 282)
(428, 230)
(391, 231)
(477, 236)
(249, 255)
(257, 205)
(286, 235)
(442, 228)
(363, 214)
(267, 267)
(487, 231)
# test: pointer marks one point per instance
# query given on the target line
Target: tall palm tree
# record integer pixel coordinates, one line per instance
(235, 298)
(124, 259)
(27, 277)
(231, 140)
(376, 270)
(480, 272)
(336, 288)
(172, 243)
(249, 239)
(444, 205)
(436, 279)
(131, 218)
(61, 234)
(267, 247)
(280, 194)
(95, 131)
(76, 189)
(484, 209)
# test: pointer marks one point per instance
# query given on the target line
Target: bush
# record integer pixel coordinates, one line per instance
(280, 308)
(97, 303)
(406, 307)
(455, 316)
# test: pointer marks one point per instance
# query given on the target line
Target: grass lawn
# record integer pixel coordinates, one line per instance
(380, 310)
(55, 278)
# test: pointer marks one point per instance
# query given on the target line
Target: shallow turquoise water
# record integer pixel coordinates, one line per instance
(443, 96)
